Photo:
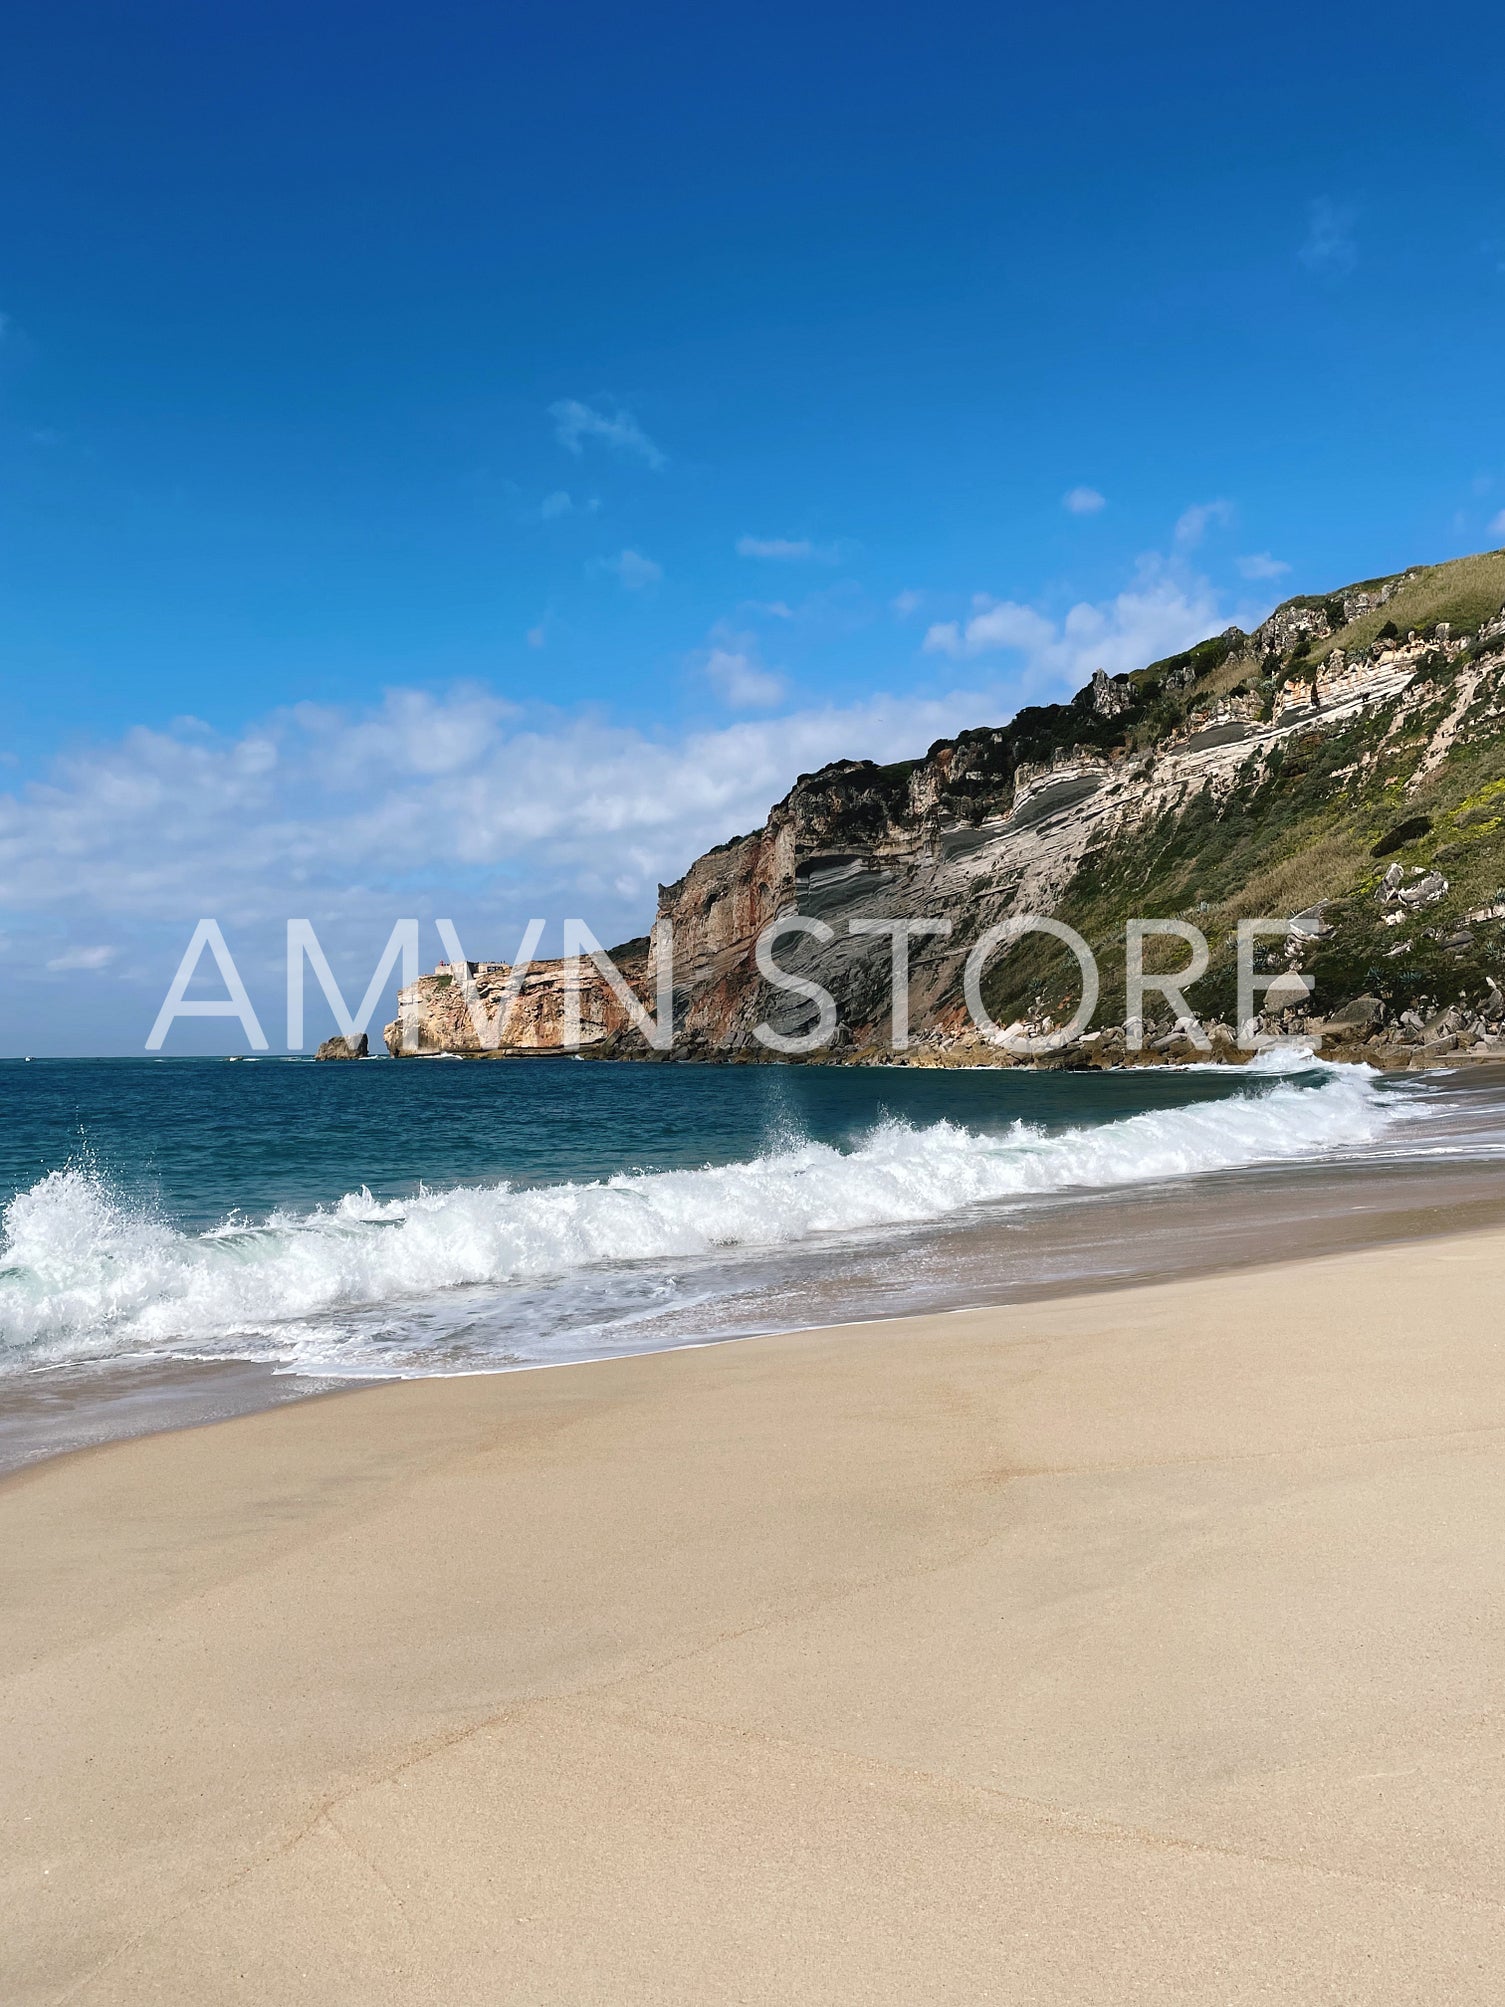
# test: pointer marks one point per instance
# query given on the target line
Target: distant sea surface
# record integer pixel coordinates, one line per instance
(185, 1238)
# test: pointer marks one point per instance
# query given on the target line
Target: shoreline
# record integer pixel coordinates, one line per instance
(1140, 1645)
(981, 1056)
(127, 1400)
(64, 1411)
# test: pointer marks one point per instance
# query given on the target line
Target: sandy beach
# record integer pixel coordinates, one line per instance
(1133, 1647)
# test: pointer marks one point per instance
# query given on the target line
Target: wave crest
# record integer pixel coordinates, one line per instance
(85, 1274)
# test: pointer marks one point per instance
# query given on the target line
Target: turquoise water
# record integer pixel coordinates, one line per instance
(426, 1217)
(201, 1139)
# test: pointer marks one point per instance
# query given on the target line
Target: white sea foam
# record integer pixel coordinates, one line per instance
(85, 1274)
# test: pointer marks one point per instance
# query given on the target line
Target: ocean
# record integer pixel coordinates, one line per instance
(184, 1238)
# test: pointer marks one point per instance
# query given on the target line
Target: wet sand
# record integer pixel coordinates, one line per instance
(49, 1413)
(1072, 1244)
(1141, 1646)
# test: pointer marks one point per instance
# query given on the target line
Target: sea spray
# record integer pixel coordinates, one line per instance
(84, 1274)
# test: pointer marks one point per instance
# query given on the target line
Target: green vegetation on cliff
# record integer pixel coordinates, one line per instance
(1317, 819)
(1340, 771)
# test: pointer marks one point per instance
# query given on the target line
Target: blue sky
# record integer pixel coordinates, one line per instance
(466, 463)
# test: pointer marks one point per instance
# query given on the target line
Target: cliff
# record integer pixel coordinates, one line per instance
(464, 1009)
(1343, 765)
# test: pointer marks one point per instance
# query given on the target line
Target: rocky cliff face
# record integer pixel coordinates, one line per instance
(475, 1009)
(1254, 774)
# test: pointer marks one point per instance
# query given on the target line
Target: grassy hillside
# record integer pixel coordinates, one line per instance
(1303, 822)
(1465, 592)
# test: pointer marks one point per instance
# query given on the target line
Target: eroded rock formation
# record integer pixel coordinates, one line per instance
(1197, 787)
(358, 1047)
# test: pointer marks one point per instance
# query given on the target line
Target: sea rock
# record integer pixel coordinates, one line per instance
(1291, 988)
(1362, 1010)
(1384, 1056)
(358, 1047)
(1066, 1059)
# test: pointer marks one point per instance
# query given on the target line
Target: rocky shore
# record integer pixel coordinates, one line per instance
(1362, 1031)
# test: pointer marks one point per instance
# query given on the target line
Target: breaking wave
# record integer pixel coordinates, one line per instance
(87, 1274)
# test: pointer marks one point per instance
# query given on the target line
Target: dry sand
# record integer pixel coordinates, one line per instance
(1136, 1648)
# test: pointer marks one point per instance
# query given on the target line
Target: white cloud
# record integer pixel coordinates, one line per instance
(410, 733)
(634, 570)
(1260, 564)
(537, 636)
(743, 683)
(1497, 525)
(1159, 614)
(1329, 245)
(416, 805)
(82, 958)
(1193, 524)
(464, 804)
(1000, 623)
(732, 667)
(794, 550)
(1083, 501)
(562, 503)
(907, 602)
(575, 422)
